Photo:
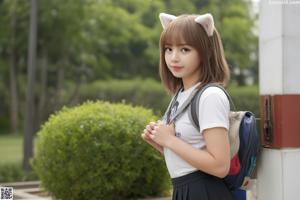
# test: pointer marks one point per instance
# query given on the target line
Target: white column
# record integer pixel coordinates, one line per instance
(279, 73)
(279, 48)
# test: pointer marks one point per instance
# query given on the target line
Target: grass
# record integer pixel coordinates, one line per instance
(11, 159)
(11, 148)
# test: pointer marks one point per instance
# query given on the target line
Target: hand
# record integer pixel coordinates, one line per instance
(147, 131)
(146, 136)
(162, 133)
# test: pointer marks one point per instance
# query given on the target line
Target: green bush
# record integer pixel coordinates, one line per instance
(4, 117)
(246, 98)
(13, 172)
(147, 93)
(94, 151)
(151, 94)
(10, 172)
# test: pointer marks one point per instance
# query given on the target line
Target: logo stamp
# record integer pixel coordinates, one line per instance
(6, 193)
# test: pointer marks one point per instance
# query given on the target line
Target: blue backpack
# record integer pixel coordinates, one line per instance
(243, 137)
(244, 140)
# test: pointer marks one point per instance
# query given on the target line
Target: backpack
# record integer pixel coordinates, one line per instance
(243, 137)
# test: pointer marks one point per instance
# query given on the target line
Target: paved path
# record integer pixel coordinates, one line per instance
(31, 190)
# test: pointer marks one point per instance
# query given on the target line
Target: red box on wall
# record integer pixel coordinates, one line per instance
(280, 121)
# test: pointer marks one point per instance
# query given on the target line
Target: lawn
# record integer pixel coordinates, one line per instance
(11, 148)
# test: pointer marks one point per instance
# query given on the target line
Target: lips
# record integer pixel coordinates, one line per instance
(176, 68)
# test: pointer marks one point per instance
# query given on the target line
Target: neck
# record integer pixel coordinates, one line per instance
(189, 83)
(191, 80)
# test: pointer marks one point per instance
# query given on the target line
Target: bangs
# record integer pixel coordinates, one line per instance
(173, 35)
(181, 31)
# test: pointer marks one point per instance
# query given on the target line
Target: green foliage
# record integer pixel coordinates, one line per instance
(246, 98)
(12, 172)
(11, 159)
(121, 37)
(147, 93)
(4, 124)
(94, 151)
(236, 26)
(151, 94)
(104, 36)
(86, 40)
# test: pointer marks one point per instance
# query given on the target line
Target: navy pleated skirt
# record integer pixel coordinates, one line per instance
(200, 186)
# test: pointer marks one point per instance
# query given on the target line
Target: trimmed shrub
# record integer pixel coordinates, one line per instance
(12, 172)
(148, 93)
(94, 151)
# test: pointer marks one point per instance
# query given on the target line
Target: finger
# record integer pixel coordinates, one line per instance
(148, 127)
(146, 131)
(146, 137)
(152, 137)
(152, 124)
(143, 135)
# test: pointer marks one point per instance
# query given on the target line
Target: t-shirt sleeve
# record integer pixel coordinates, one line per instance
(214, 109)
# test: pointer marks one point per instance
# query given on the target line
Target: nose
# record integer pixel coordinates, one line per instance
(174, 56)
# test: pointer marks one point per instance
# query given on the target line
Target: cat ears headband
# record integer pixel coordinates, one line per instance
(206, 21)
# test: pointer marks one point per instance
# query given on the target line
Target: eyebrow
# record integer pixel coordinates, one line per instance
(183, 44)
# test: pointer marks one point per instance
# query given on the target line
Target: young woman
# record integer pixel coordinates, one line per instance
(192, 56)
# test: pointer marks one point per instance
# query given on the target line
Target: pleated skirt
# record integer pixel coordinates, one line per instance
(200, 186)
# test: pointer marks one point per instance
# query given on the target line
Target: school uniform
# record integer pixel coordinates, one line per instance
(188, 182)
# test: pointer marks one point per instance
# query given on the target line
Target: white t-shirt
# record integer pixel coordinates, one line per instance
(214, 110)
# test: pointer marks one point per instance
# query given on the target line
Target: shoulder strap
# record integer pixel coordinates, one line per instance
(182, 108)
(165, 116)
(194, 106)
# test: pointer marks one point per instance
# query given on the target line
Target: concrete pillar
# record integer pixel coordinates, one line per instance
(278, 175)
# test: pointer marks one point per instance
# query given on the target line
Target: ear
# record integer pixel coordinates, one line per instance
(207, 22)
(165, 19)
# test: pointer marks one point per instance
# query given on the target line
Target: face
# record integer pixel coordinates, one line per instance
(183, 61)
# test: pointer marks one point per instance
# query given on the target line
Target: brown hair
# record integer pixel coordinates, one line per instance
(214, 67)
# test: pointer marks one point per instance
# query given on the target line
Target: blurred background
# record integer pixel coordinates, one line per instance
(108, 50)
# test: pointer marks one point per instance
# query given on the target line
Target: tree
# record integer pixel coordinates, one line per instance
(13, 41)
(29, 117)
(86, 40)
(14, 118)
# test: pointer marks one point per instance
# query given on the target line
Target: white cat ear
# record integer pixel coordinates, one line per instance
(207, 22)
(165, 19)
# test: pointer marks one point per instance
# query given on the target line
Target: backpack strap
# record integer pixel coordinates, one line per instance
(167, 116)
(194, 105)
(167, 112)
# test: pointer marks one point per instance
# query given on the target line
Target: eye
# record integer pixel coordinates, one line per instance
(168, 49)
(185, 50)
